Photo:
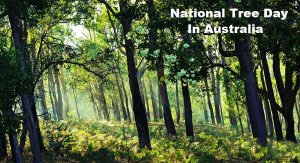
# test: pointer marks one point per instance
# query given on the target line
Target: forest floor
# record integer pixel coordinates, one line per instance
(91, 141)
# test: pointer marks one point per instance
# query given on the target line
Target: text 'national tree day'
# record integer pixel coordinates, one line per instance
(250, 28)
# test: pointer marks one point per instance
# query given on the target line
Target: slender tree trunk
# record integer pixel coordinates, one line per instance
(153, 100)
(103, 102)
(19, 33)
(169, 123)
(121, 98)
(298, 115)
(138, 106)
(268, 81)
(188, 115)
(23, 137)
(160, 112)
(217, 105)
(64, 91)
(212, 115)
(218, 92)
(178, 105)
(126, 98)
(267, 106)
(42, 97)
(205, 112)
(231, 114)
(15, 150)
(146, 101)
(52, 93)
(36, 121)
(95, 106)
(59, 94)
(76, 102)
(240, 116)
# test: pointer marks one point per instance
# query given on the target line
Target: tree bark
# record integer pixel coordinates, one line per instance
(231, 114)
(52, 94)
(42, 97)
(76, 102)
(15, 150)
(3, 145)
(19, 33)
(255, 112)
(178, 105)
(146, 101)
(138, 106)
(267, 107)
(216, 101)
(188, 115)
(153, 100)
(64, 91)
(212, 115)
(121, 98)
(287, 93)
(103, 102)
(126, 98)
(276, 121)
(23, 137)
(59, 94)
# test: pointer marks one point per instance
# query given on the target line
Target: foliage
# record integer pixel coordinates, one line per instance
(108, 142)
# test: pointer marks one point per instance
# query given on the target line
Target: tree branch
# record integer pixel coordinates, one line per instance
(108, 7)
(297, 85)
(277, 74)
(265, 94)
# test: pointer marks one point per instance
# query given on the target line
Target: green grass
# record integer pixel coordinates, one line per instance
(91, 141)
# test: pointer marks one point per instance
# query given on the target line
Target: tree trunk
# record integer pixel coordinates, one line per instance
(205, 112)
(76, 102)
(95, 106)
(115, 108)
(276, 121)
(51, 97)
(240, 116)
(178, 105)
(138, 106)
(102, 100)
(19, 33)
(23, 137)
(287, 94)
(256, 116)
(3, 145)
(267, 107)
(153, 100)
(41, 90)
(121, 98)
(146, 101)
(126, 98)
(290, 130)
(218, 92)
(216, 101)
(15, 150)
(298, 115)
(169, 123)
(64, 91)
(52, 93)
(231, 114)
(212, 115)
(188, 115)
(59, 94)
(160, 112)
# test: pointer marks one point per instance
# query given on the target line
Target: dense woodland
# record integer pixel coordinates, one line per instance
(121, 81)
